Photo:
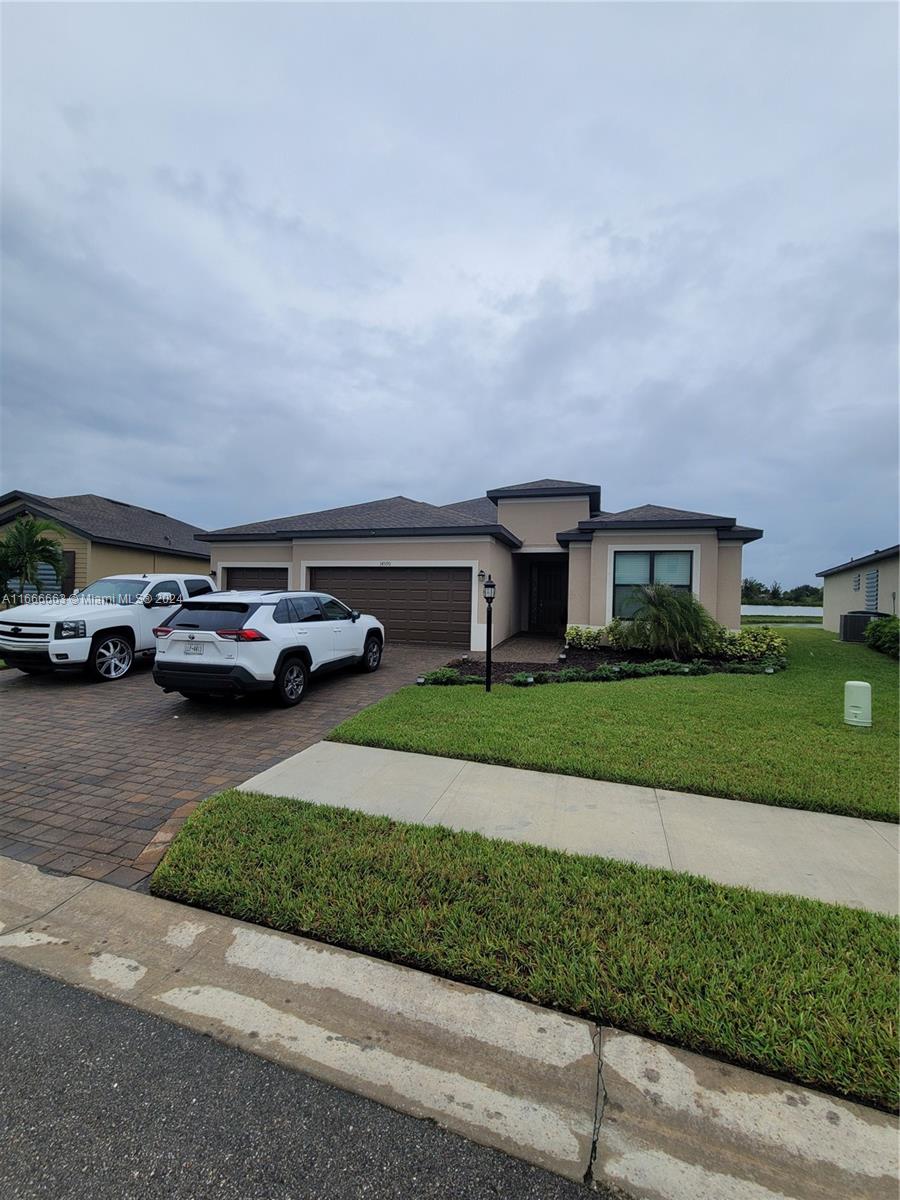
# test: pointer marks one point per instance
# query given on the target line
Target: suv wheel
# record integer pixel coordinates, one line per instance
(112, 656)
(371, 659)
(290, 683)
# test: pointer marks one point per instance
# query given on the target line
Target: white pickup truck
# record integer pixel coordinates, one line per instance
(100, 629)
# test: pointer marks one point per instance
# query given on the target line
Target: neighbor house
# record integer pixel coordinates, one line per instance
(557, 558)
(866, 584)
(108, 537)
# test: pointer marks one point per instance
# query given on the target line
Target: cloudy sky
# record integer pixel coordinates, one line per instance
(260, 259)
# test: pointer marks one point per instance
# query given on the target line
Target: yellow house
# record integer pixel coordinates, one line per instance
(108, 537)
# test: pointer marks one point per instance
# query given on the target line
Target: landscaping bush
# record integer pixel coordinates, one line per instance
(752, 645)
(883, 634)
(449, 676)
(585, 637)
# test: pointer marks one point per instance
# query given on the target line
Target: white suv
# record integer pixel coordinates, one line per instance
(236, 642)
(102, 628)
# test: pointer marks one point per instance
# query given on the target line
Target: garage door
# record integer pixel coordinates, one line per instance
(415, 604)
(255, 579)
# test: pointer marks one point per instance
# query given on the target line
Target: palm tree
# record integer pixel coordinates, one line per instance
(29, 543)
(670, 621)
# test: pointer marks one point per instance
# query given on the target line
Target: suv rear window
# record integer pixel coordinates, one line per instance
(197, 615)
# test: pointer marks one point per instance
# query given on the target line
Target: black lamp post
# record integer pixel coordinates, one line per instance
(490, 591)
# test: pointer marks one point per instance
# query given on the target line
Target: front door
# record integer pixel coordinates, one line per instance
(548, 600)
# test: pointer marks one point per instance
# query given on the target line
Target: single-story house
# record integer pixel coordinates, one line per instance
(866, 584)
(108, 537)
(556, 557)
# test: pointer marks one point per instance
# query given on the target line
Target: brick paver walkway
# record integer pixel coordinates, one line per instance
(95, 778)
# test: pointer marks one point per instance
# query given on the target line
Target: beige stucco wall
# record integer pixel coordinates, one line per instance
(579, 583)
(537, 522)
(704, 543)
(119, 560)
(728, 586)
(841, 598)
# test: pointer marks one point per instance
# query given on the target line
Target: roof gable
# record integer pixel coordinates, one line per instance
(113, 522)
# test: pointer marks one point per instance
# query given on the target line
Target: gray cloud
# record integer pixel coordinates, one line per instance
(260, 259)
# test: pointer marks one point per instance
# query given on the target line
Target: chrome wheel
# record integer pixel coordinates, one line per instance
(113, 658)
(294, 682)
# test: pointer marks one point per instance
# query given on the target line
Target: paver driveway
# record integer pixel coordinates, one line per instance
(96, 777)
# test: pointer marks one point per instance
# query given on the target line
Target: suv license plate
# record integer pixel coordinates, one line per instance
(193, 648)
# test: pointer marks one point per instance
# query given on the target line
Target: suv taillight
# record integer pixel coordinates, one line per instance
(241, 635)
(162, 631)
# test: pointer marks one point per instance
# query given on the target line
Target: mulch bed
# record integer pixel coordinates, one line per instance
(588, 659)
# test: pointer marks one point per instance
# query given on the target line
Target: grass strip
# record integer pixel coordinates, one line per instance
(773, 739)
(794, 987)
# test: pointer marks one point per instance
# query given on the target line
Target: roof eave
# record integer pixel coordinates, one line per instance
(589, 490)
(878, 556)
(500, 532)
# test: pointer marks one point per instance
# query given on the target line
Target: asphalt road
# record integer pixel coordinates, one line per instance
(98, 1100)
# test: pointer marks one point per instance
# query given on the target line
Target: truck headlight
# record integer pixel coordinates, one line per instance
(70, 629)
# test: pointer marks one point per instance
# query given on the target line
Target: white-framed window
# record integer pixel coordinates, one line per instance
(633, 569)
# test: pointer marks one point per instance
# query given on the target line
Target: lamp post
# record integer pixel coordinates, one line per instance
(490, 591)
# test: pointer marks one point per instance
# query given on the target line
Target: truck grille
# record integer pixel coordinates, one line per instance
(24, 632)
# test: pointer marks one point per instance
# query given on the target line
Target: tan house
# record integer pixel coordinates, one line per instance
(557, 558)
(108, 537)
(867, 584)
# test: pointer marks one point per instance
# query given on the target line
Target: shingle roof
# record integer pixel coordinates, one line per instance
(875, 556)
(395, 514)
(659, 516)
(657, 512)
(114, 522)
(480, 508)
(544, 485)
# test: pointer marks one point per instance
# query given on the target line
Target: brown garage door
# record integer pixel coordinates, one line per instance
(415, 604)
(255, 579)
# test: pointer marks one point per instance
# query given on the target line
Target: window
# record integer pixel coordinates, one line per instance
(198, 587)
(113, 591)
(872, 590)
(334, 610)
(856, 582)
(196, 615)
(167, 585)
(306, 608)
(283, 614)
(633, 569)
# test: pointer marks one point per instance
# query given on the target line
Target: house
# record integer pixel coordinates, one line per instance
(555, 555)
(867, 584)
(108, 537)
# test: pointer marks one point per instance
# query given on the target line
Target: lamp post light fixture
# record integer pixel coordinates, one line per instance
(489, 591)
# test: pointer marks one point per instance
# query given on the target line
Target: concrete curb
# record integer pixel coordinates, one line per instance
(656, 1122)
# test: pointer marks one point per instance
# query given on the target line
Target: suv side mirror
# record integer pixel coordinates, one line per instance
(354, 615)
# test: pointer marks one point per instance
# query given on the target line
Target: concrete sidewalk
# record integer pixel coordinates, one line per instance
(845, 860)
(586, 1102)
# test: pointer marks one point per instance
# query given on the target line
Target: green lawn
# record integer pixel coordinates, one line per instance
(790, 986)
(775, 739)
(788, 620)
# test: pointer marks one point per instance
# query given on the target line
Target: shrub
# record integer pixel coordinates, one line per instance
(617, 633)
(449, 676)
(585, 637)
(883, 634)
(756, 644)
(670, 621)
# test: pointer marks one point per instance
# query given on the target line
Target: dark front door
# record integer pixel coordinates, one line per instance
(548, 597)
